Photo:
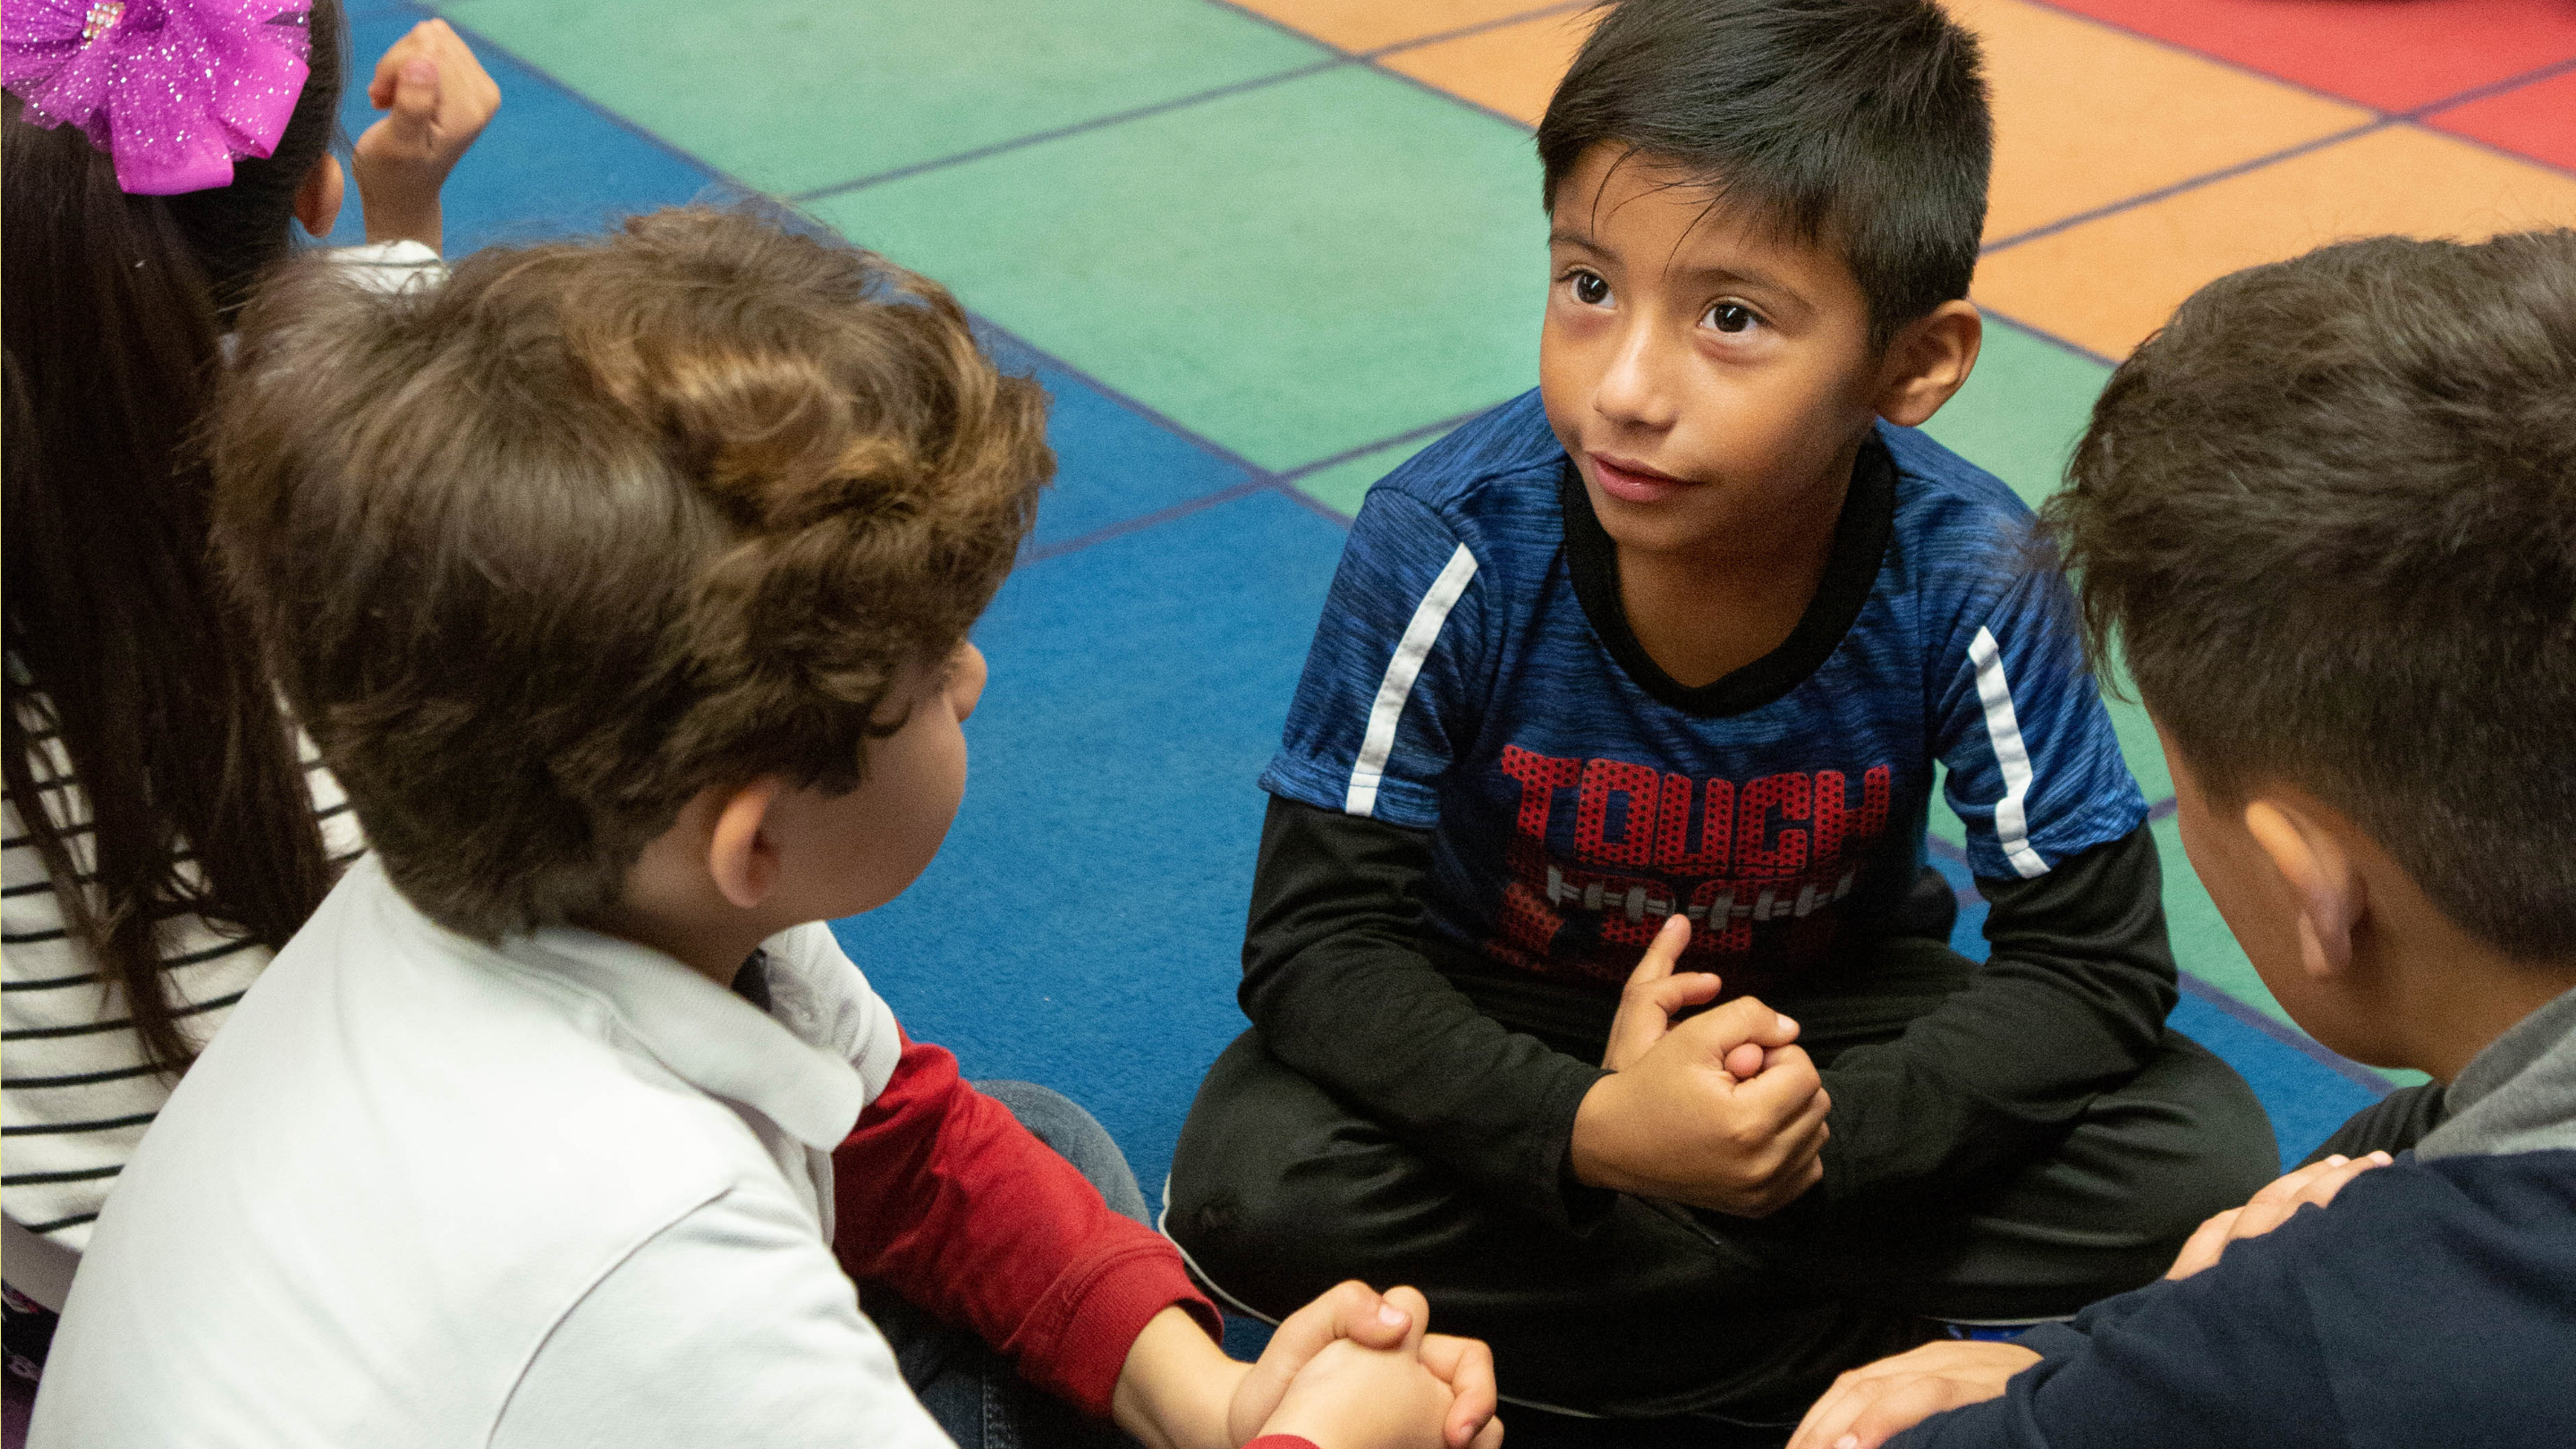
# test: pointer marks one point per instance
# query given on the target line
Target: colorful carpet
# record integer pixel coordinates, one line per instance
(1262, 252)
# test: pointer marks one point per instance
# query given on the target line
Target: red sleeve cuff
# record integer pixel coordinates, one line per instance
(946, 1199)
(1075, 1343)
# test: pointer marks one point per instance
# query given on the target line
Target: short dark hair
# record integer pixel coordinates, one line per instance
(2330, 513)
(1859, 123)
(539, 556)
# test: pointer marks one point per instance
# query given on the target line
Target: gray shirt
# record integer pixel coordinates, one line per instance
(2518, 1095)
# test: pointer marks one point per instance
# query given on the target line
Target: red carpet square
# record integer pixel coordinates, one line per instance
(2538, 120)
(2397, 55)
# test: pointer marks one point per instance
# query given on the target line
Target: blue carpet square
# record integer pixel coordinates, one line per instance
(548, 165)
(1083, 927)
(1115, 464)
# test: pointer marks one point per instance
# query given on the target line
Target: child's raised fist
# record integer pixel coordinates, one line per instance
(437, 99)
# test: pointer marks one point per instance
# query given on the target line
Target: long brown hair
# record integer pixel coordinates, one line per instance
(120, 641)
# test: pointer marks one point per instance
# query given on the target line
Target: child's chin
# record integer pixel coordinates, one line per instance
(1666, 527)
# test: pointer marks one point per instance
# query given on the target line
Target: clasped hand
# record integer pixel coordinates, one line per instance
(1719, 1111)
(1352, 1370)
(1355, 1370)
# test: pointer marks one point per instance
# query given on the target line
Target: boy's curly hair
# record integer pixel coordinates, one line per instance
(539, 556)
(2329, 513)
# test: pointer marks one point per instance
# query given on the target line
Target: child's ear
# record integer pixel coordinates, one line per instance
(2322, 878)
(317, 197)
(1928, 361)
(742, 850)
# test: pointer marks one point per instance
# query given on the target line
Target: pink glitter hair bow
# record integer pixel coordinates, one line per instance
(175, 90)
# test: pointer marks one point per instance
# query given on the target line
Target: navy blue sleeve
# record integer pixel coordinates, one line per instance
(2035, 770)
(2428, 1306)
(1395, 680)
(2073, 998)
(2216, 1359)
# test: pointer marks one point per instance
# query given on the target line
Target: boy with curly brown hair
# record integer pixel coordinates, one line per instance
(625, 586)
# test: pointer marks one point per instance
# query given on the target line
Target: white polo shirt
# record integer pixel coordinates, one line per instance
(426, 1192)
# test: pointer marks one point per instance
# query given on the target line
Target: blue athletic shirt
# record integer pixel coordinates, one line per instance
(1474, 676)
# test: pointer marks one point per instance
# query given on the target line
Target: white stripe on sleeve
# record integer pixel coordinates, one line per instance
(1392, 691)
(2012, 827)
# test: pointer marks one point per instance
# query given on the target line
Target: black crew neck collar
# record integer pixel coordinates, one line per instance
(1859, 546)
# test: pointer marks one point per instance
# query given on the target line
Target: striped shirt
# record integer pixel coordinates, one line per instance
(78, 1091)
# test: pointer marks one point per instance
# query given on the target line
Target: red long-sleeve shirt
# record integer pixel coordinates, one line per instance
(943, 1197)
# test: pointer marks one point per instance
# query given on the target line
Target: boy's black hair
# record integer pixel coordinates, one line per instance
(2329, 513)
(1860, 123)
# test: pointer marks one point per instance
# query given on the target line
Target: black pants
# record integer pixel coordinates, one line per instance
(1279, 1190)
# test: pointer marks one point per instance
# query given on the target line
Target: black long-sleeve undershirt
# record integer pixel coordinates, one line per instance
(1345, 988)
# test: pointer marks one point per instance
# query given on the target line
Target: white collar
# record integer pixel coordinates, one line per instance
(711, 1038)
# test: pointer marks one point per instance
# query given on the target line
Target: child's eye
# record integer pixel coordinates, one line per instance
(1590, 289)
(1731, 317)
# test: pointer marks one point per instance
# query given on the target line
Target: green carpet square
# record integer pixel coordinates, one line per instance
(2021, 410)
(1342, 486)
(789, 98)
(2202, 944)
(1292, 271)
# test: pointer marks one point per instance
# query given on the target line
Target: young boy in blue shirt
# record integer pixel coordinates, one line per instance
(1667, 654)
(2330, 513)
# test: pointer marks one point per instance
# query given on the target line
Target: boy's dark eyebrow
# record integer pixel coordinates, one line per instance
(1763, 280)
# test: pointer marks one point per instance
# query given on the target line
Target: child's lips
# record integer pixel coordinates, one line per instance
(1631, 483)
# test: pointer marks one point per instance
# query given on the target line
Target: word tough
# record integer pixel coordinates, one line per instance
(1646, 844)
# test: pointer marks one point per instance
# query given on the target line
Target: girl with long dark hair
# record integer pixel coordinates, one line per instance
(165, 828)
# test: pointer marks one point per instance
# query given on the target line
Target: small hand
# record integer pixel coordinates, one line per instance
(1683, 1122)
(438, 99)
(1351, 1310)
(1351, 1397)
(1875, 1402)
(1655, 992)
(2316, 1183)
(1466, 1365)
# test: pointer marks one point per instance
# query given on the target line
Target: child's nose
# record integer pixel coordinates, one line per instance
(1636, 388)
